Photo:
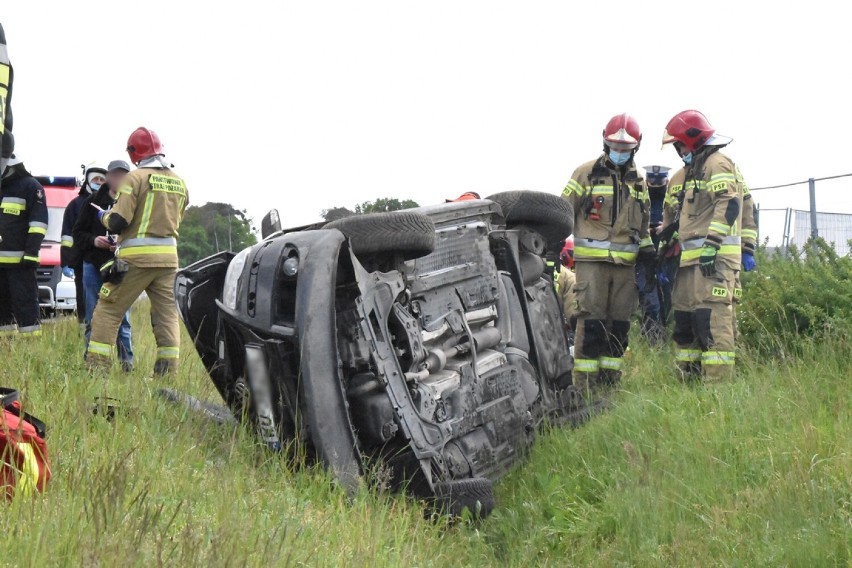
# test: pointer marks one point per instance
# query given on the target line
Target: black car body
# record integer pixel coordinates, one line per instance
(429, 342)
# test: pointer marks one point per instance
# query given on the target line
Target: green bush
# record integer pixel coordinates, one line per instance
(806, 295)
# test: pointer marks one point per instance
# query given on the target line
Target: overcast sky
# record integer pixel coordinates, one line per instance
(310, 105)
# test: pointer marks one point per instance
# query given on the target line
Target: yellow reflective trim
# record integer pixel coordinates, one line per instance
(100, 348)
(137, 251)
(126, 189)
(724, 250)
(167, 184)
(688, 355)
(4, 74)
(646, 242)
(718, 227)
(33, 333)
(602, 190)
(10, 260)
(146, 215)
(590, 252)
(611, 363)
(32, 258)
(586, 365)
(573, 186)
(38, 230)
(168, 352)
(627, 256)
(10, 207)
(718, 358)
(749, 234)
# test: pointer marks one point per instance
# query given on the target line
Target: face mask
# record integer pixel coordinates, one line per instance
(619, 158)
(687, 158)
(94, 186)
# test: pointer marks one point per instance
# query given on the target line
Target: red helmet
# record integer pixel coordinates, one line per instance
(567, 254)
(622, 133)
(143, 143)
(690, 128)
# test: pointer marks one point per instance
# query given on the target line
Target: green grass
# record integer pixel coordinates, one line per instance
(753, 472)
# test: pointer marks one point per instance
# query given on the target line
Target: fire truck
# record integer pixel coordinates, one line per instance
(55, 292)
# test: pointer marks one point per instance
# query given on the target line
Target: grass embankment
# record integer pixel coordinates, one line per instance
(746, 473)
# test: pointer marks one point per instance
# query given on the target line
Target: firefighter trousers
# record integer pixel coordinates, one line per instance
(704, 321)
(606, 297)
(114, 301)
(19, 301)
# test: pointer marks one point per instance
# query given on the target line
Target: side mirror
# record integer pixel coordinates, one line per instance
(270, 224)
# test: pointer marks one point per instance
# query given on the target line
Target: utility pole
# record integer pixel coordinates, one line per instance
(812, 191)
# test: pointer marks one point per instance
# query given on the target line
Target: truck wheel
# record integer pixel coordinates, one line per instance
(547, 214)
(407, 233)
(453, 497)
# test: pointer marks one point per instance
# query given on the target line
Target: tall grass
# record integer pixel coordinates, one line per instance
(752, 472)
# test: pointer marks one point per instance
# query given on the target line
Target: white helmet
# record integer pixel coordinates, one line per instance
(14, 160)
(89, 171)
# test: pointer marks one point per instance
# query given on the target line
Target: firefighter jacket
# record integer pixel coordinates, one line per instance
(148, 210)
(23, 219)
(750, 227)
(87, 228)
(611, 212)
(711, 208)
(7, 75)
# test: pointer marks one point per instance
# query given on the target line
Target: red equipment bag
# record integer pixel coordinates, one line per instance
(23, 451)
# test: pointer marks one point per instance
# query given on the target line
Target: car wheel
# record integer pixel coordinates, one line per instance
(407, 233)
(548, 214)
(454, 497)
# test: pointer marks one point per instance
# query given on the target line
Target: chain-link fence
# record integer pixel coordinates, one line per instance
(834, 228)
(801, 225)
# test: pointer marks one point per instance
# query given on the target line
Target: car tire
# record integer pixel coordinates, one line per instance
(550, 215)
(407, 233)
(475, 495)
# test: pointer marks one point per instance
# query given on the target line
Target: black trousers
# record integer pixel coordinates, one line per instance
(80, 293)
(18, 298)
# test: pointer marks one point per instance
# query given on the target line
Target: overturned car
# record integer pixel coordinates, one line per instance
(427, 342)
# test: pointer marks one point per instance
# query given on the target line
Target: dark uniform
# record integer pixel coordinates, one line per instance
(23, 225)
(652, 288)
(7, 141)
(71, 255)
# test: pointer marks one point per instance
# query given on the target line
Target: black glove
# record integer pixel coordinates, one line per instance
(647, 254)
(707, 260)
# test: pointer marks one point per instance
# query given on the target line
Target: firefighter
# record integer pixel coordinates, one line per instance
(23, 225)
(7, 141)
(711, 241)
(148, 209)
(651, 288)
(565, 281)
(610, 234)
(96, 249)
(71, 257)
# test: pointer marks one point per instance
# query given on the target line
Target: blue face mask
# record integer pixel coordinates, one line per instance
(687, 158)
(619, 158)
(95, 186)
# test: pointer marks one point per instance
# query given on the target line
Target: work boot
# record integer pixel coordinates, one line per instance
(610, 377)
(127, 366)
(98, 363)
(689, 372)
(164, 367)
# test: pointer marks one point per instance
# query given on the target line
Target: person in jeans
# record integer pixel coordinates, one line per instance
(98, 247)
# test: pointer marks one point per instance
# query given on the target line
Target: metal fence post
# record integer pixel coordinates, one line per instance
(812, 191)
